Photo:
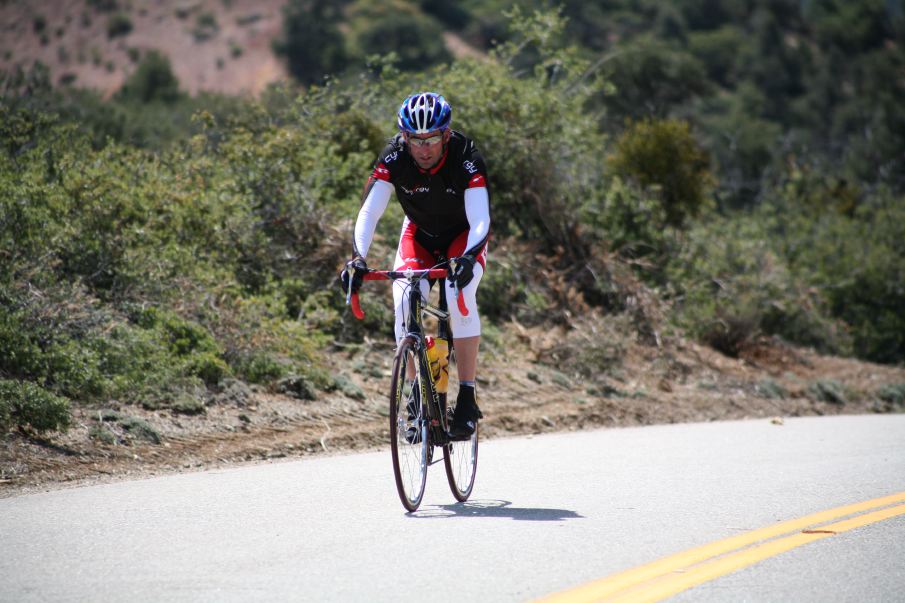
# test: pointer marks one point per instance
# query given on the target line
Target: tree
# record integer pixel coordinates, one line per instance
(312, 42)
(415, 37)
(152, 81)
(651, 77)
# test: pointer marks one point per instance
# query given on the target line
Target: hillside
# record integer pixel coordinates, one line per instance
(667, 247)
(213, 45)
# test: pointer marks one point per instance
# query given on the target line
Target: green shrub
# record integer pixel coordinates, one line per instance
(119, 25)
(665, 156)
(102, 434)
(103, 6)
(855, 258)
(141, 429)
(770, 389)
(208, 367)
(348, 387)
(734, 283)
(415, 37)
(6, 413)
(311, 40)
(590, 350)
(633, 219)
(153, 80)
(829, 391)
(187, 404)
(893, 394)
(504, 289)
(260, 368)
(25, 404)
(718, 49)
(182, 336)
(650, 78)
(206, 27)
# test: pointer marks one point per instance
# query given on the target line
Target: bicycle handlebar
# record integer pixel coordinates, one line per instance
(388, 275)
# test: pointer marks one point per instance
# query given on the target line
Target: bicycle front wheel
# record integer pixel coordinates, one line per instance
(409, 426)
(461, 460)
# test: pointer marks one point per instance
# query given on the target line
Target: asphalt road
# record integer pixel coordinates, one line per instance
(548, 513)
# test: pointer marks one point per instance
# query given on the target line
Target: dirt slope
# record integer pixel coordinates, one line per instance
(679, 382)
(213, 45)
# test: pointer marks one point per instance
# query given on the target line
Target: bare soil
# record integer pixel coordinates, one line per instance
(213, 45)
(221, 46)
(678, 381)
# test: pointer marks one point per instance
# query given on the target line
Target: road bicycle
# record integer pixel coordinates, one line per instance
(420, 414)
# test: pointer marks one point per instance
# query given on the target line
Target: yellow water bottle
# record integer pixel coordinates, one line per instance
(433, 357)
(438, 358)
(442, 379)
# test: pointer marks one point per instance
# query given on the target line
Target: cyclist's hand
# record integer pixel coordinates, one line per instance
(463, 272)
(357, 267)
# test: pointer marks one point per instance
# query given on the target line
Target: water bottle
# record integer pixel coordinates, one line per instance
(438, 357)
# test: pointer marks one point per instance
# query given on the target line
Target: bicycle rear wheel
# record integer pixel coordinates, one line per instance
(408, 427)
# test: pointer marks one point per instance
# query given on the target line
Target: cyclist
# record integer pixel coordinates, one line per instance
(440, 180)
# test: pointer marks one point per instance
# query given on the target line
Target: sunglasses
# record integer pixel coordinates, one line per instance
(424, 142)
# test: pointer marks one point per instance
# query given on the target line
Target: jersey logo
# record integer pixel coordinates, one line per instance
(419, 189)
(382, 173)
(477, 181)
(391, 157)
(470, 167)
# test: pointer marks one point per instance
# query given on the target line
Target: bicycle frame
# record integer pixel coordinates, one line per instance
(417, 429)
(436, 407)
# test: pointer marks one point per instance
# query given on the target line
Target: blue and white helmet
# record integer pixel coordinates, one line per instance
(424, 112)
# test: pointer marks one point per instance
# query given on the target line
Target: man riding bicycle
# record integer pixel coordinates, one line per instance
(440, 181)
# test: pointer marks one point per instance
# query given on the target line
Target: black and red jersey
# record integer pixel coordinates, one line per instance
(434, 200)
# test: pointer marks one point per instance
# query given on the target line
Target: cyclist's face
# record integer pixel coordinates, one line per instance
(426, 149)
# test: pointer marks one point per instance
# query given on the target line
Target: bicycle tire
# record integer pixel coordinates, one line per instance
(411, 450)
(460, 458)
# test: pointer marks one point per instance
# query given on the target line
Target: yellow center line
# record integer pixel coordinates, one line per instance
(676, 583)
(681, 562)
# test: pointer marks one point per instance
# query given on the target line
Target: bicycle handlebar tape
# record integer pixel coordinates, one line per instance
(356, 307)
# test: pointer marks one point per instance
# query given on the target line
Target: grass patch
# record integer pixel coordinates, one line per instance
(829, 391)
(140, 429)
(770, 389)
(348, 387)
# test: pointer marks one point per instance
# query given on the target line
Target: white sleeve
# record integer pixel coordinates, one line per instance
(477, 210)
(371, 211)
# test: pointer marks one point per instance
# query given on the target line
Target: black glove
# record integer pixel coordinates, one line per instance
(463, 272)
(357, 266)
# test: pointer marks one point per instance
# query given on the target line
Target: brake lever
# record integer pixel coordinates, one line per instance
(460, 299)
(351, 274)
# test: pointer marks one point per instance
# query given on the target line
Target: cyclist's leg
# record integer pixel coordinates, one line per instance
(466, 329)
(466, 340)
(409, 254)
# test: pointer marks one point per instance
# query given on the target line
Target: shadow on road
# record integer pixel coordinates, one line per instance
(493, 508)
